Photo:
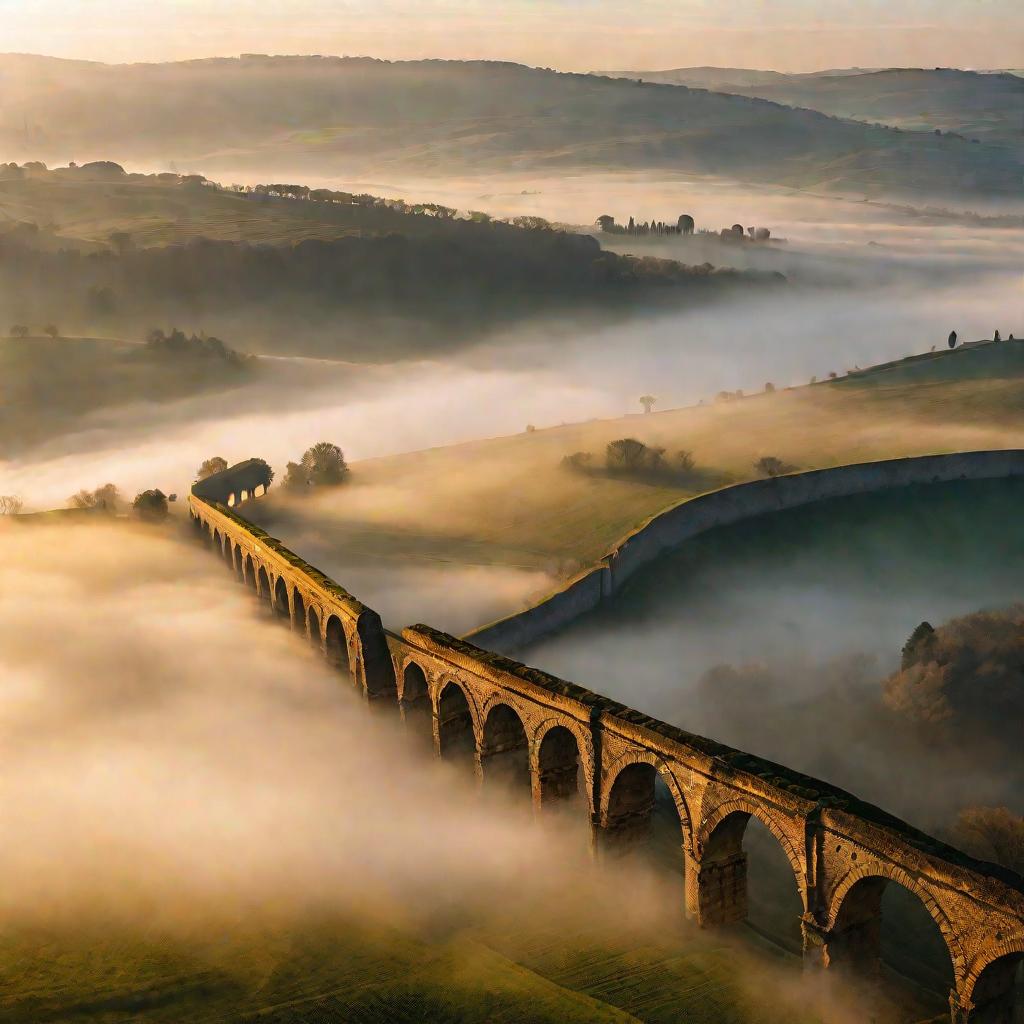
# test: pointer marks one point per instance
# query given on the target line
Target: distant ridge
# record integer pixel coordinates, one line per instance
(296, 116)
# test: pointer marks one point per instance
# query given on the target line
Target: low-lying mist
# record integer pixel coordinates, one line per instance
(776, 636)
(187, 788)
(867, 303)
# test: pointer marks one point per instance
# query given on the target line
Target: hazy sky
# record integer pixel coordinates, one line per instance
(576, 34)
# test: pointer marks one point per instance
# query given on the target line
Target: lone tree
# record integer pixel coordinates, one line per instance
(104, 499)
(996, 337)
(211, 466)
(647, 401)
(151, 506)
(770, 465)
(606, 222)
(952, 339)
(920, 643)
(626, 454)
(19, 331)
(51, 331)
(685, 224)
(10, 504)
(324, 464)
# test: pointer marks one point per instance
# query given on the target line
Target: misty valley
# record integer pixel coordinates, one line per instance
(490, 542)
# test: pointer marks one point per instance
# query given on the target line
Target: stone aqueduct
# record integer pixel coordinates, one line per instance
(566, 742)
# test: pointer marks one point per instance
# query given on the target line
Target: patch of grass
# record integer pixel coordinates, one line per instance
(510, 500)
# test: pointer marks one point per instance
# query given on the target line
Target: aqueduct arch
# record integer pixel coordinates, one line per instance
(504, 750)
(416, 706)
(263, 587)
(995, 995)
(298, 615)
(558, 767)
(854, 938)
(280, 603)
(335, 645)
(719, 894)
(456, 739)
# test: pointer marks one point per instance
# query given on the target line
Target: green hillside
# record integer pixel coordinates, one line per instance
(356, 973)
(47, 385)
(333, 116)
(511, 501)
(300, 271)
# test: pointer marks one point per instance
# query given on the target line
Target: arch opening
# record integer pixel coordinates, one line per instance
(998, 996)
(642, 822)
(244, 496)
(280, 602)
(747, 876)
(335, 647)
(249, 572)
(228, 553)
(263, 588)
(298, 619)
(456, 741)
(258, 491)
(628, 815)
(417, 709)
(315, 639)
(882, 929)
(238, 563)
(231, 500)
(505, 751)
(559, 770)
(371, 657)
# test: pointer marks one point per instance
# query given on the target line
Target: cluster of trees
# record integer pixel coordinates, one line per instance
(772, 465)
(322, 465)
(368, 202)
(201, 345)
(149, 505)
(964, 675)
(628, 456)
(683, 226)
(23, 331)
(737, 233)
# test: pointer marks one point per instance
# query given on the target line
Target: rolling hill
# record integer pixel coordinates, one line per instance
(295, 271)
(333, 116)
(987, 107)
(512, 501)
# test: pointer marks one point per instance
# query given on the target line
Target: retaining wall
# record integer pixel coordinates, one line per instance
(694, 516)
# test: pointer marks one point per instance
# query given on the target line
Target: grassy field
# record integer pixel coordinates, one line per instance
(345, 972)
(510, 501)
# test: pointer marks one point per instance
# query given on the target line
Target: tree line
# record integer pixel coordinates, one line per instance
(684, 225)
